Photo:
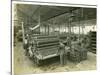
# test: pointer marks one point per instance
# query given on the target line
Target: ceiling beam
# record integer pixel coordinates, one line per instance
(36, 11)
(26, 14)
(60, 14)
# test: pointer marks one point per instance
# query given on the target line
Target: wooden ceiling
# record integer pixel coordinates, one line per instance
(48, 12)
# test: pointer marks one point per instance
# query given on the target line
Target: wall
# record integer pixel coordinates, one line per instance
(87, 25)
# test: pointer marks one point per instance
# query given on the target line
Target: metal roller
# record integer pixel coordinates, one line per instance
(48, 52)
(47, 41)
(40, 37)
(46, 45)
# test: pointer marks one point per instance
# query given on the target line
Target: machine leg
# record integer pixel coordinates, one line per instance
(37, 61)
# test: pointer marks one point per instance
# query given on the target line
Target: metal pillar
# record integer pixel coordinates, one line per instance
(23, 32)
(69, 31)
(82, 23)
(39, 21)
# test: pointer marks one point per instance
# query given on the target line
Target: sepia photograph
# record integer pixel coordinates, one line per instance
(53, 38)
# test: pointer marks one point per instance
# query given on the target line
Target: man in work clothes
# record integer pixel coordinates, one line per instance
(26, 45)
(62, 53)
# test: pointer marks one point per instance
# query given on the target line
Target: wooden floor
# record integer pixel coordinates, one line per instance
(23, 65)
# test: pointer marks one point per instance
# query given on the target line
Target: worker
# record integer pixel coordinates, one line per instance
(30, 51)
(67, 50)
(62, 53)
(26, 44)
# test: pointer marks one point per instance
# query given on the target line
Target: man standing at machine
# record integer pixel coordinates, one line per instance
(62, 53)
(26, 44)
